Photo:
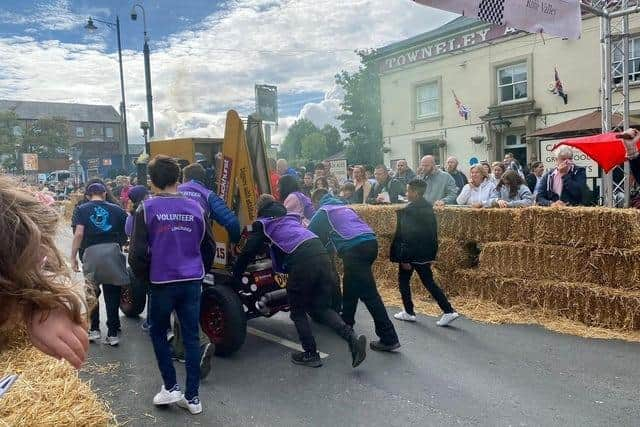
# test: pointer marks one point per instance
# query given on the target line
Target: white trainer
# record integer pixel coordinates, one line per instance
(194, 406)
(167, 397)
(94, 335)
(403, 315)
(112, 341)
(447, 318)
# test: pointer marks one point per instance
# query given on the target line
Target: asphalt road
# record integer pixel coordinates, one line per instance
(467, 374)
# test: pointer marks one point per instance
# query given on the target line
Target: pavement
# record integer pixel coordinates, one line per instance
(466, 374)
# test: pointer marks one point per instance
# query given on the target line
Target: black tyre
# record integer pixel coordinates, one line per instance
(223, 319)
(133, 297)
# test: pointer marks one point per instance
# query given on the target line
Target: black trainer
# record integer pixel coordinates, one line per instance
(358, 348)
(307, 358)
(380, 346)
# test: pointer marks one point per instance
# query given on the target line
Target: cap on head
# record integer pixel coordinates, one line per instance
(95, 188)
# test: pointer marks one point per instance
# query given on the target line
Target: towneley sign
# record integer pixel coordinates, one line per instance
(433, 49)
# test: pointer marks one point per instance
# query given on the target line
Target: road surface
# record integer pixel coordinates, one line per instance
(467, 374)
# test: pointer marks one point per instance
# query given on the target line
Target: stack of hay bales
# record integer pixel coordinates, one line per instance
(47, 392)
(577, 263)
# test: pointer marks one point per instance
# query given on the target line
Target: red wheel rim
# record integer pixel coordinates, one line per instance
(212, 322)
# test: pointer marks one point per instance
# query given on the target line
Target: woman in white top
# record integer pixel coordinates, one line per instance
(479, 189)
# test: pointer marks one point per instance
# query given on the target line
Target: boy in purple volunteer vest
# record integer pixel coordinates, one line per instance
(167, 246)
(193, 177)
(310, 280)
(357, 245)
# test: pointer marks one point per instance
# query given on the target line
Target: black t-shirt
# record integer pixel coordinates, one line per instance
(103, 223)
(358, 195)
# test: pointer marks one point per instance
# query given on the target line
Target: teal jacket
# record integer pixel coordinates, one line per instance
(321, 227)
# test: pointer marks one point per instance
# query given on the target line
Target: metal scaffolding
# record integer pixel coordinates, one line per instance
(614, 86)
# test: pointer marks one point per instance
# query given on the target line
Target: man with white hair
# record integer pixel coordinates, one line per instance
(441, 187)
(452, 169)
(564, 185)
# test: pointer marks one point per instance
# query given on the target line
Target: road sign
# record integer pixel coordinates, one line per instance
(267, 103)
(339, 169)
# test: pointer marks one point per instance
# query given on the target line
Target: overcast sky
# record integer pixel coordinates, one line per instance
(206, 55)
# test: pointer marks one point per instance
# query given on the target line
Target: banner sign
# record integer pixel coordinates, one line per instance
(30, 162)
(339, 169)
(548, 158)
(557, 17)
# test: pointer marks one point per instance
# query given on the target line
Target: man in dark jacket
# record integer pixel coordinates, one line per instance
(452, 169)
(386, 189)
(339, 225)
(310, 280)
(415, 246)
(537, 170)
(565, 185)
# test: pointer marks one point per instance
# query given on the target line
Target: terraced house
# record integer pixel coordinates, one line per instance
(478, 91)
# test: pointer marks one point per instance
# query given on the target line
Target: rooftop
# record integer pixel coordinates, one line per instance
(34, 110)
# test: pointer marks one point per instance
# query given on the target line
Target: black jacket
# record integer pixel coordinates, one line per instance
(257, 240)
(532, 180)
(393, 186)
(416, 238)
(574, 188)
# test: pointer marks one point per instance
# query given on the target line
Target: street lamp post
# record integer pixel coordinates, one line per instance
(123, 110)
(147, 66)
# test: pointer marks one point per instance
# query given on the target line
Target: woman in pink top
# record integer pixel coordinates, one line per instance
(294, 200)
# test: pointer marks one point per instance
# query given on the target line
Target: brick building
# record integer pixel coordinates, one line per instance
(93, 129)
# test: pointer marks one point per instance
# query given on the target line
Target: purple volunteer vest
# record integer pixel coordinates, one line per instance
(286, 232)
(199, 193)
(345, 221)
(176, 227)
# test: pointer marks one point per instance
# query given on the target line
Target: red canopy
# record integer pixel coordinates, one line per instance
(606, 149)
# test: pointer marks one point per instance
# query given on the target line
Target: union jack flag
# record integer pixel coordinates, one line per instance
(463, 110)
(558, 88)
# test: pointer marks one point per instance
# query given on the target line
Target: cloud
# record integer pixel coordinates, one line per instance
(197, 75)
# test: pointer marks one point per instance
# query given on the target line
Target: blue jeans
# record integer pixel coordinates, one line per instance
(184, 298)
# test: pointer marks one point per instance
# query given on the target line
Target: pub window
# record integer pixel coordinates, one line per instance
(427, 100)
(512, 82)
(79, 132)
(634, 61)
(108, 132)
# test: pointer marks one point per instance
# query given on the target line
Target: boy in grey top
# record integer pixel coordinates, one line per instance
(441, 187)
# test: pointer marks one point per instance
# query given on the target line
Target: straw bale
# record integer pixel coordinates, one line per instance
(538, 262)
(455, 254)
(584, 302)
(382, 219)
(48, 392)
(586, 227)
(617, 268)
(484, 225)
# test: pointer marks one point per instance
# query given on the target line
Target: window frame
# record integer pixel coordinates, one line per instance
(79, 134)
(106, 132)
(513, 83)
(634, 76)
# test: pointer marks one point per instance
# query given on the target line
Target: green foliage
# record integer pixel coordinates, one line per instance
(332, 136)
(361, 121)
(314, 146)
(291, 148)
(48, 137)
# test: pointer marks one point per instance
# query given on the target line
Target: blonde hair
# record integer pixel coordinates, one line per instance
(480, 170)
(33, 272)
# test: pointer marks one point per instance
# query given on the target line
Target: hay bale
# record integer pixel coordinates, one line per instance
(455, 254)
(48, 392)
(382, 219)
(617, 268)
(537, 262)
(584, 302)
(483, 225)
(586, 227)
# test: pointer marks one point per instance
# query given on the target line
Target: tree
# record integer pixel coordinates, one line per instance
(361, 121)
(291, 148)
(314, 146)
(47, 137)
(10, 137)
(332, 136)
